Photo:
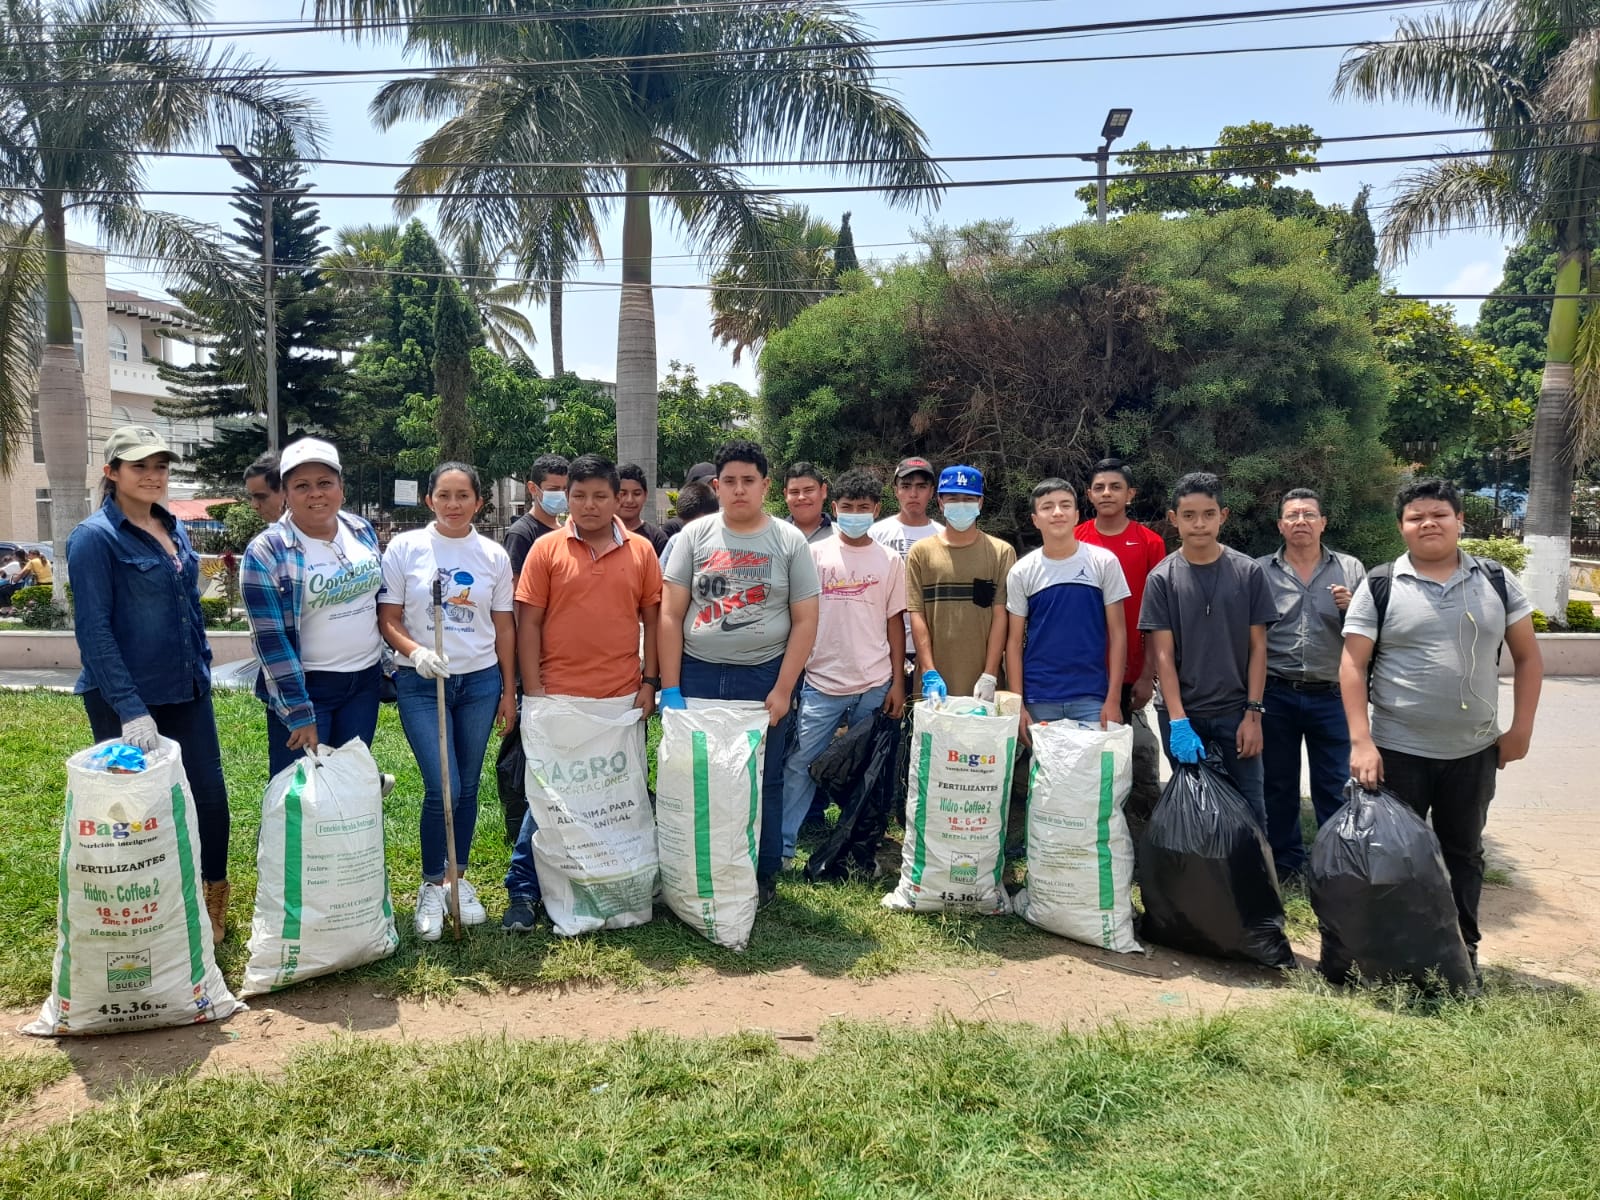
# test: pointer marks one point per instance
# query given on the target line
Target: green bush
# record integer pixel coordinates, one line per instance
(214, 609)
(41, 614)
(34, 593)
(1509, 552)
(1541, 623)
(1581, 618)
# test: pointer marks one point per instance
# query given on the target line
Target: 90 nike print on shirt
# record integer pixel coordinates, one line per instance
(740, 587)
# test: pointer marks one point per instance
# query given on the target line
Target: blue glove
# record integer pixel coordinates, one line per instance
(933, 686)
(672, 698)
(1185, 742)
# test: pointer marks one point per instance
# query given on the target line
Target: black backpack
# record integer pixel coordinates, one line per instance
(1381, 577)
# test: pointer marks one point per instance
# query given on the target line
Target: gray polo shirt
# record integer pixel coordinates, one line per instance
(1435, 685)
(1305, 642)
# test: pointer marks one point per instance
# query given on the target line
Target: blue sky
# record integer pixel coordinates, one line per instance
(976, 110)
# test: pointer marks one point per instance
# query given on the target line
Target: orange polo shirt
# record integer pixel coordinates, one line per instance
(591, 602)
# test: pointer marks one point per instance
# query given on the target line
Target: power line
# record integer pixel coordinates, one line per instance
(1132, 152)
(829, 189)
(744, 52)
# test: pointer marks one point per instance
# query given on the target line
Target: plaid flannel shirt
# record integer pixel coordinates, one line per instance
(272, 581)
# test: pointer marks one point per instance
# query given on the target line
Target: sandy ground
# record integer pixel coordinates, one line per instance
(1541, 927)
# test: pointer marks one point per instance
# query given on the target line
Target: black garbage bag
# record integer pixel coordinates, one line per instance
(1382, 897)
(1205, 873)
(857, 774)
(510, 777)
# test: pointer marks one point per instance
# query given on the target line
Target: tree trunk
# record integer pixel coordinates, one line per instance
(558, 358)
(63, 406)
(1548, 530)
(637, 381)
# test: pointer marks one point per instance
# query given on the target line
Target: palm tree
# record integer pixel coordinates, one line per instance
(85, 84)
(1528, 71)
(738, 80)
(757, 291)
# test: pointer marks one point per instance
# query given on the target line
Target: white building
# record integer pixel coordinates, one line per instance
(117, 337)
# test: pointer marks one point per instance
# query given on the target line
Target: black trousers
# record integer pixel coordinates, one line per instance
(1455, 793)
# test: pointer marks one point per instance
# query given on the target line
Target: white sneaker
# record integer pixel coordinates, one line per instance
(471, 907)
(430, 912)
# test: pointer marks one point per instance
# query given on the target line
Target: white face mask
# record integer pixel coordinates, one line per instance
(853, 524)
(961, 515)
(554, 503)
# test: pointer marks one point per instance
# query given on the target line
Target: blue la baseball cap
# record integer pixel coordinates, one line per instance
(961, 481)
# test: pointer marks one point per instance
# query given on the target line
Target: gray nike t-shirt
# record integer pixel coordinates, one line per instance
(740, 587)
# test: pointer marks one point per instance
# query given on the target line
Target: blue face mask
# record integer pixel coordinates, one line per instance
(554, 503)
(960, 515)
(853, 524)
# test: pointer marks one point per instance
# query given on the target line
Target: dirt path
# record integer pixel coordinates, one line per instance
(1542, 927)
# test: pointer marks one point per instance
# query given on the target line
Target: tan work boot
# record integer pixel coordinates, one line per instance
(217, 895)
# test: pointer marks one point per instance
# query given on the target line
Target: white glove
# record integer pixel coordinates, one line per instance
(141, 732)
(429, 664)
(984, 688)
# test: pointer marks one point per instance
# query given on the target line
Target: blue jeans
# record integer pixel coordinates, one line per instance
(346, 704)
(738, 681)
(1318, 719)
(1085, 711)
(522, 880)
(193, 726)
(469, 705)
(818, 718)
(1221, 732)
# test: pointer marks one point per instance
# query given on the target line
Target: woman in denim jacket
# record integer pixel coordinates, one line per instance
(311, 582)
(141, 638)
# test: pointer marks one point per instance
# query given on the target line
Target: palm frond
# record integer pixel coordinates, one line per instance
(1453, 192)
(21, 334)
(1584, 404)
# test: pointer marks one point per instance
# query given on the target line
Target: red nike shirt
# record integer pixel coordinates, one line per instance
(1138, 549)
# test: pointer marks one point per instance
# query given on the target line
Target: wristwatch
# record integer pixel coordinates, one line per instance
(653, 681)
(1254, 706)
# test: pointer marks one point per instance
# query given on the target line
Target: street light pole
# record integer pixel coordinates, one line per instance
(1116, 124)
(265, 194)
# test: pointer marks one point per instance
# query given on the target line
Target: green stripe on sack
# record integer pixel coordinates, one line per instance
(1102, 828)
(1005, 811)
(755, 736)
(293, 864)
(191, 901)
(919, 858)
(64, 975)
(702, 815)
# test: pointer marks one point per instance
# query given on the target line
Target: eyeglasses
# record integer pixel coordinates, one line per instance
(1303, 517)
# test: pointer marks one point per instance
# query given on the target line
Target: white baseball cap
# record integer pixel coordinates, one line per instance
(308, 450)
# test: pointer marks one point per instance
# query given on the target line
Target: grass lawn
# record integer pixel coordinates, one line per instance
(1325, 1098)
(832, 930)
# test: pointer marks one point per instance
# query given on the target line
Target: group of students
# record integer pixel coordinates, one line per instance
(824, 617)
(23, 568)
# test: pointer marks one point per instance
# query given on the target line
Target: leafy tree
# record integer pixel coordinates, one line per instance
(696, 420)
(844, 250)
(1449, 387)
(1354, 248)
(1528, 72)
(69, 141)
(583, 421)
(1234, 347)
(750, 80)
(1518, 328)
(507, 403)
(765, 281)
(310, 328)
(455, 329)
(1250, 160)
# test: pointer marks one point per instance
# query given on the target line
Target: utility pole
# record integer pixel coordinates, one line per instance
(1115, 126)
(266, 194)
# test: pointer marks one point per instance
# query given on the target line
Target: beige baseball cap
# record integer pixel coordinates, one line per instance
(133, 443)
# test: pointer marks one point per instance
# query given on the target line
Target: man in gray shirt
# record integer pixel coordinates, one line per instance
(1311, 586)
(1206, 608)
(1434, 738)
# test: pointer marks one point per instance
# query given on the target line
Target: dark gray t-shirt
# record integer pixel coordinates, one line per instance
(1209, 610)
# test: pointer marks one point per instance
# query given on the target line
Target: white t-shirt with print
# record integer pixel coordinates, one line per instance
(477, 583)
(339, 604)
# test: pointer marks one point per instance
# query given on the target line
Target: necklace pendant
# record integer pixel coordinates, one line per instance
(1208, 610)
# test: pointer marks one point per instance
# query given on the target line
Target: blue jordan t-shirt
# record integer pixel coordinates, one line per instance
(1064, 603)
